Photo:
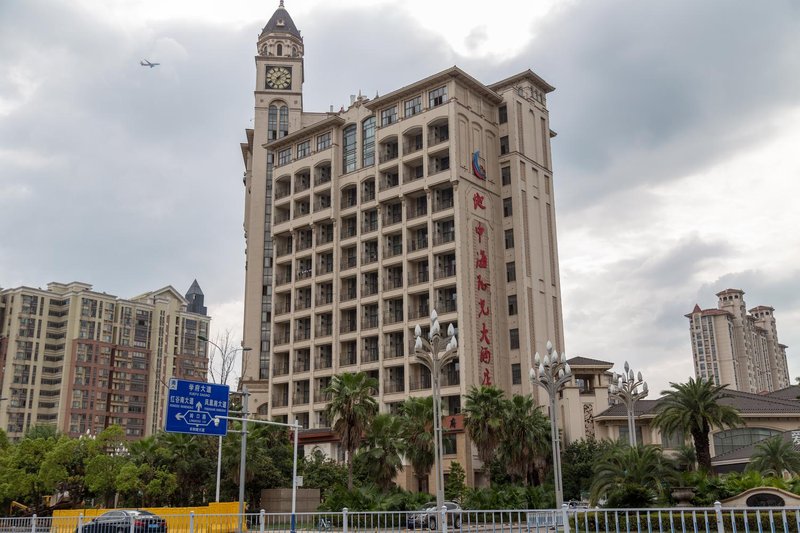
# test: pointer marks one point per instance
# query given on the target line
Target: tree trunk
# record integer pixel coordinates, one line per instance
(701, 446)
(349, 471)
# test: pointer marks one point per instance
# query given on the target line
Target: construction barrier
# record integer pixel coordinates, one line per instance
(215, 518)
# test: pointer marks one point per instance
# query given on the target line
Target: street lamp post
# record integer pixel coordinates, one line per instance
(436, 352)
(625, 387)
(551, 373)
(219, 444)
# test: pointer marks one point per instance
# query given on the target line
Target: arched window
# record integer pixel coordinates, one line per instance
(349, 148)
(294, 51)
(368, 141)
(733, 439)
(280, 49)
(272, 124)
(284, 124)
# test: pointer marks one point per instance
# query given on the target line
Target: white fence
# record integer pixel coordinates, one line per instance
(695, 520)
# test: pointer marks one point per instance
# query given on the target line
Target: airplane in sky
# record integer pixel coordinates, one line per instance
(146, 63)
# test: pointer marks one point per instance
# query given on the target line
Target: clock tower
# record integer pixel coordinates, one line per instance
(278, 111)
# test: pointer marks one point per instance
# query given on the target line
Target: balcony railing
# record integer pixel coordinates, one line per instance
(444, 237)
(325, 268)
(281, 308)
(446, 305)
(304, 272)
(302, 335)
(371, 225)
(446, 271)
(415, 278)
(348, 326)
(349, 231)
(301, 397)
(417, 211)
(394, 350)
(347, 359)
(393, 317)
(280, 368)
(321, 396)
(450, 377)
(368, 289)
(393, 282)
(443, 203)
(419, 311)
(369, 355)
(323, 362)
(280, 401)
(420, 383)
(348, 293)
(393, 217)
(349, 262)
(325, 330)
(369, 257)
(412, 145)
(324, 298)
(393, 385)
(349, 200)
(420, 243)
(302, 365)
(393, 249)
(369, 322)
(388, 153)
(282, 338)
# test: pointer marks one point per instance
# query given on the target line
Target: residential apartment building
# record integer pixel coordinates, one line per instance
(731, 346)
(82, 360)
(359, 223)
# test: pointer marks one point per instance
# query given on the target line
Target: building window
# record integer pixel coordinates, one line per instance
(507, 211)
(512, 304)
(437, 96)
(283, 125)
(413, 106)
(349, 148)
(368, 141)
(516, 374)
(511, 272)
(303, 149)
(449, 445)
(509, 239)
(733, 439)
(503, 114)
(504, 145)
(513, 339)
(272, 123)
(505, 175)
(324, 141)
(285, 156)
(623, 435)
(389, 116)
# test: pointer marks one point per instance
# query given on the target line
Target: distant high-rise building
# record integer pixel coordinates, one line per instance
(739, 349)
(437, 195)
(83, 360)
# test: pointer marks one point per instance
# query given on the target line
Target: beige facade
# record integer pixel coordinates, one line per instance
(731, 346)
(82, 360)
(438, 195)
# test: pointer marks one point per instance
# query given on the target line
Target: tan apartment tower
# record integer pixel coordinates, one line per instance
(438, 195)
(731, 346)
(82, 360)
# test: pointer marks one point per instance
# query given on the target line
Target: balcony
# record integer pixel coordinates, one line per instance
(348, 293)
(321, 396)
(347, 359)
(302, 364)
(444, 237)
(369, 355)
(301, 397)
(322, 175)
(324, 330)
(323, 362)
(447, 305)
(349, 262)
(422, 382)
(388, 152)
(394, 215)
(326, 267)
(415, 278)
(418, 243)
(393, 281)
(393, 385)
(280, 400)
(389, 180)
(416, 210)
(412, 142)
(349, 198)
(348, 326)
(446, 271)
(369, 288)
(392, 249)
(443, 200)
(370, 256)
(302, 335)
(450, 376)
(420, 310)
(280, 368)
(369, 322)
(369, 226)
(393, 316)
(281, 337)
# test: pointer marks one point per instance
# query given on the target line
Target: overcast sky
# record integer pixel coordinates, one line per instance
(676, 167)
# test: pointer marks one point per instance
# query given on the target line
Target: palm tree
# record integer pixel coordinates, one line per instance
(484, 420)
(351, 410)
(773, 456)
(631, 475)
(526, 436)
(417, 416)
(694, 407)
(382, 449)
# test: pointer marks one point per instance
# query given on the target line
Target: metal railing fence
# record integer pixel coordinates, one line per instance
(653, 520)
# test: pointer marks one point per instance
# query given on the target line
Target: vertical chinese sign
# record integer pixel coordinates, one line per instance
(483, 311)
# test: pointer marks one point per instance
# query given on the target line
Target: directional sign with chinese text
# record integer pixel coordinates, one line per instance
(192, 407)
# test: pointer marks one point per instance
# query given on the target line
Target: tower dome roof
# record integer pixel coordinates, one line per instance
(281, 22)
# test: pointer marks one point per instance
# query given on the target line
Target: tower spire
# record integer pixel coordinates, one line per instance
(281, 4)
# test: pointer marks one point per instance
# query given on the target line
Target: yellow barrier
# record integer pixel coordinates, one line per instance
(215, 518)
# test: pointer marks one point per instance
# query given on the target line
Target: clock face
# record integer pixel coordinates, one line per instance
(279, 77)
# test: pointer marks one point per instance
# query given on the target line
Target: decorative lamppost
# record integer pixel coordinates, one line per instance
(625, 387)
(435, 352)
(551, 373)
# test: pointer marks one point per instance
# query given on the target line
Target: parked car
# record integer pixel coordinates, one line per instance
(427, 516)
(120, 520)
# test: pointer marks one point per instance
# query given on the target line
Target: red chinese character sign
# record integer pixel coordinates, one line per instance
(482, 263)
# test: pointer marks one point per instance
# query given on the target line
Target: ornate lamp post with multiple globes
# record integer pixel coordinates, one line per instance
(435, 352)
(625, 387)
(551, 373)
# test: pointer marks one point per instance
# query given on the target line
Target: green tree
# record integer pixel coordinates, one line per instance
(484, 410)
(351, 409)
(20, 478)
(695, 407)
(577, 461)
(454, 486)
(525, 438)
(321, 472)
(775, 455)
(631, 476)
(64, 466)
(417, 416)
(382, 449)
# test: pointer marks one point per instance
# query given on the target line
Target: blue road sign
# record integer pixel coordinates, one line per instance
(192, 407)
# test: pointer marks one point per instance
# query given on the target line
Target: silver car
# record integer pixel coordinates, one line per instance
(428, 516)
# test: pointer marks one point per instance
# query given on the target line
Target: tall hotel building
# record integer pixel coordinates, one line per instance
(82, 360)
(359, 223)
(739, 349)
